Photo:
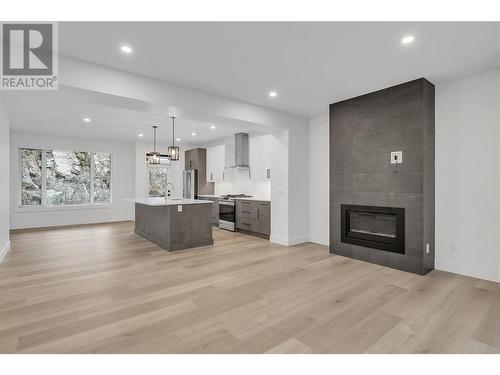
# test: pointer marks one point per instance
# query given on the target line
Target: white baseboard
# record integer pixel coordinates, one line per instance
(320, 240)
(297, 240)
(3, 252)
(489, 274)
(28, 225)
(279, 240)
(285, 241)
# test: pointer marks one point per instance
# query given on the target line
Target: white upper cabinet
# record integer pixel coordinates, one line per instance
(260, 158)
(216, 161)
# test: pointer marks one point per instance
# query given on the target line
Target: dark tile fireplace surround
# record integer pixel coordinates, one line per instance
(381, 212)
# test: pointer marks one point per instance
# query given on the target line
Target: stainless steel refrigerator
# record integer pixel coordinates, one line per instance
(190, 183)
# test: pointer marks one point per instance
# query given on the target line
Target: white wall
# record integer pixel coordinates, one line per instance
(298, 184)
(468, 176)
(280, 231)
(319, 172)
(4, 182)
(123, 174)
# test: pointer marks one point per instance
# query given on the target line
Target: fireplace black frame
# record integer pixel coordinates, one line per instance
(395, 245)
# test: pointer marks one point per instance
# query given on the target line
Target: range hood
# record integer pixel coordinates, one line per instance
(237, 154)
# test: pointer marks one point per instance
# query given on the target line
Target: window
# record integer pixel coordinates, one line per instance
(62, 178)
(158, 177)
(102, 178)
(68, 177)
(31, 177)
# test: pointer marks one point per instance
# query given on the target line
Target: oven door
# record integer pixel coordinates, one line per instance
(227, 215)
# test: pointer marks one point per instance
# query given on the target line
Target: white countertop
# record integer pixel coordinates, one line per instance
(245, 199)
(253, 199)
(166, 202)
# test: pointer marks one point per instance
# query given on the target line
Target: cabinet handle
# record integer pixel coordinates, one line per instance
(245, 224)
(211, 176)
(223, 175)
(258, 213)
(245, 212)
(249, 173)
(268, 173)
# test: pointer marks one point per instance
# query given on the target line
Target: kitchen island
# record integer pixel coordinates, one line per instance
(174, 224)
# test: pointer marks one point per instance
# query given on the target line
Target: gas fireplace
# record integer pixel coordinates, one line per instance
(375, 227)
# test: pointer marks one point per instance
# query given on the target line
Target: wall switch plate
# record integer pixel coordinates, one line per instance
(396, 157)
(179, 208)
(427, 249)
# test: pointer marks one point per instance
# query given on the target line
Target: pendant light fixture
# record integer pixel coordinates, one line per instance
(173, 151)
(154, 156)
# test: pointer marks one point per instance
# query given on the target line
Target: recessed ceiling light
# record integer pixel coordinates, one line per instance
(141, 135)
(178, 139)
(212, 127)
(193, 134)
(408, 39)
(126, 49)
(87, 120)
(273, 94)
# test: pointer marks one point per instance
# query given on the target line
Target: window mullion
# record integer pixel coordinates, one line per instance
(92, 175)
(19, 176)
(44, 177)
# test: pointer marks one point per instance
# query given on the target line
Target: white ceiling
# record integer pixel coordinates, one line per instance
(309, 64)
(62, 113)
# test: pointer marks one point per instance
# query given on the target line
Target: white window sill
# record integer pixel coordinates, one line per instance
(63, 208)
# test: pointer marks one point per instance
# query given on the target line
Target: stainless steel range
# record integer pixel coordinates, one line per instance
(227, 211)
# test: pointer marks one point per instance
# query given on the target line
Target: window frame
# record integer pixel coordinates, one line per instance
(47, 207)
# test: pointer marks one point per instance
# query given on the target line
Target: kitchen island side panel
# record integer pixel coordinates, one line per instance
(172, 228)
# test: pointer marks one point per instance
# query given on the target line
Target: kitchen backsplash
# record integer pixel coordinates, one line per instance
(239, 183)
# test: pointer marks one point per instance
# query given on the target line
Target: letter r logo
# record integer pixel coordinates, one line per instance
(27, 49)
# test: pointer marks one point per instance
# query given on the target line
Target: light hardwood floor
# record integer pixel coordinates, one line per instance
(103, 289)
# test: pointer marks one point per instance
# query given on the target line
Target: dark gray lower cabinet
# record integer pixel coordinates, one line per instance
(215, 208)
(264, 218)
(253, 217)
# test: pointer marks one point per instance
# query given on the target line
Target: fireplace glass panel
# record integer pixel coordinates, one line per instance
(374, 227)
(373, 223)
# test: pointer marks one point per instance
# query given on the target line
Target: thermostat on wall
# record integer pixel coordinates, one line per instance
(396, 157)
